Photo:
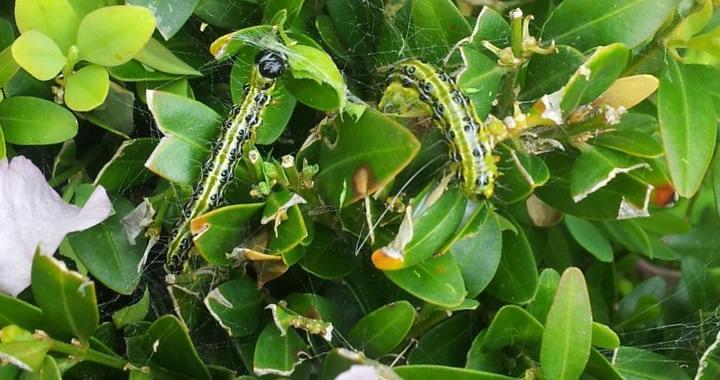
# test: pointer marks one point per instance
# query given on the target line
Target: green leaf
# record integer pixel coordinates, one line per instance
(446, 343)
(434, 372)
(436, 280)
(586, 23)
(590, 238)
(522, 174)
(599, 366)
(477, 247)
(189, 126)
(170, 15)
(289, 233)
(218, 232)
(225, 47)
(328, 256)
(566, 341)
(314, 79)
(512, 325)
(7, 33)
(236, 306)
(108, 254)
(27, 120)
(38, 55)
(638, 364)
(688, 125)
(8, 66)
(595, 76)
(596, 167)
(478, 358)
(549, 73)
(172, 354)
(54, 18)
(27, 355)
(516, 278)
(547, 286)
(157, 56)
(132, 313)
(277, 354)
(360, 161)
(66, 297)
(116, 113)
(226, 15)
(381, 331)
(438, 26)
(105, 39)
(48, 371)
(134, 71)
(604, 337)
(126, 168)
(631, 142)
(87, 88)
(480, 79)
(14, 311)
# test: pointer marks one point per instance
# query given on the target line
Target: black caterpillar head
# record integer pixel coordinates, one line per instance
(271, 63)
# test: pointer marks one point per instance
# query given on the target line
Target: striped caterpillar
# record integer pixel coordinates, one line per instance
(226, 152)
(471, 144)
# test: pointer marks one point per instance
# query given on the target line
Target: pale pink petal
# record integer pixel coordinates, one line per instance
(32, 214)
(358, 372)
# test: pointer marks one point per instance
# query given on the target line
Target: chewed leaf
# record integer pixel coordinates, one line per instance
(276, 353)
(596, 167)
(236, 306)
(218, 232)
(314, 79)
(230, 44)
(627, 92)
(285, 318)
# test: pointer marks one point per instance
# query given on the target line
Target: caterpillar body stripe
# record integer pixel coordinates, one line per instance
(470, 142)
(226, 152)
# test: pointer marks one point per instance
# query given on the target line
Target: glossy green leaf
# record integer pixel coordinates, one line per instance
(604, 337)
(547, 286)
(132, 313)
(632, 236)
(276, 354)
(478, 358)
(446, 343)
(360, 161)
(381, 331)
(477, 247)
(218, 232)
(314, 79)
(436, 280)
(105, 39)
(630, 142)
(170, 15)
(438, 26)
(522, 175)
(328, 256)
(586, 23)
(635, 364)
(688, 125)
(54, 18)
(566, 341)
(549, 73)
(596, 167)
(116, 113)
(107, 252)
(27, 355)
(595, 76)
(27, 120)
(8, 66)
(512, 325)
(87, 88)
(230, 44)
(77, 315)
(290, 232)
(48, 371)
(600, 367)
(14, 311)
(236, 306)
(480, 79)
(188, 126)
(172, 353)
(590, 238)
(516, 278)
(126, 168)
(159, 57)
(434, 372)
(134, 71)
(7, 33)
(38, 55)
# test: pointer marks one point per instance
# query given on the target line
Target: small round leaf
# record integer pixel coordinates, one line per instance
(87, 88)
(38, 55)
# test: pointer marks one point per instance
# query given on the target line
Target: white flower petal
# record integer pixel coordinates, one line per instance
(358, 372)
(32, 214)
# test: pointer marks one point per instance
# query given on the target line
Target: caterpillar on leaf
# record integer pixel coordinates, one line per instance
(226, 152)
(416, 88)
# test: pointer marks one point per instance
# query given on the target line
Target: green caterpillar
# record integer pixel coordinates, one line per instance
(226, 152)
(470, 142)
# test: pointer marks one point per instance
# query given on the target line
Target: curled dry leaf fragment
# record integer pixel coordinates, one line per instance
(33, 215)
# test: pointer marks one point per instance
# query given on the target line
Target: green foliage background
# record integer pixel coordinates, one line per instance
(597, 258)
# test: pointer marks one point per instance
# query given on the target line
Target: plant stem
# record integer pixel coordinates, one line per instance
(88, 354)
